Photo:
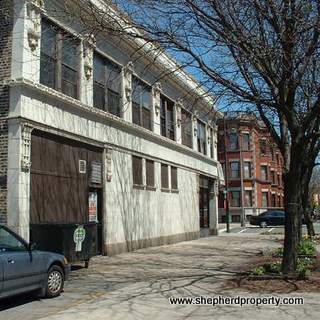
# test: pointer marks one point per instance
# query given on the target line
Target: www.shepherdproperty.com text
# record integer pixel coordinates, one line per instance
(238, 301)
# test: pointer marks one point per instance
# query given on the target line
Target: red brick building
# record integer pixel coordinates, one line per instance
(253, 165)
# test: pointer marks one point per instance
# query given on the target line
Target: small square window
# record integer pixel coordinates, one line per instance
(82, 166)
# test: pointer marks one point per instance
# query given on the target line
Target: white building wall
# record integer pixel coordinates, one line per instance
(132, 217)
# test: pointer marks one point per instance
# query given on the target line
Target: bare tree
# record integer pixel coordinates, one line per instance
(262, 54)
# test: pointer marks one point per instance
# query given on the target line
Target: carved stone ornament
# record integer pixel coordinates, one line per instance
(109, 165)
(88, 61)
(33, 39)
(128, 93)
(157, 108)
(26, 130)
(128, 69)
(157, 88)
(34, 22)
(90, 40)
(38, 3)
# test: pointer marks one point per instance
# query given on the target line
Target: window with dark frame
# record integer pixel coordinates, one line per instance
(246, 141)
(150, 173)
(167, 118)
(248, 198)
(164, 176)
(106, 85)
(233, 141)
(247, 169)
(59, 59)
(235, 170)
(235, 199)
(174, 178)
(201, 137)
(186, 128)
(211, 143)
(137, 171)
(264, 173)
(141, 104)
(273, 177)
(264, 199)
(263, 146)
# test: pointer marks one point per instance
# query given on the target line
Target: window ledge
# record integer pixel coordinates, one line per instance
(165, 190)
(139, 186)
(174, 191)
(151, 188)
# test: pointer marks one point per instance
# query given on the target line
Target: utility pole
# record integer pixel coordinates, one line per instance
(243, 213)
(226, 198)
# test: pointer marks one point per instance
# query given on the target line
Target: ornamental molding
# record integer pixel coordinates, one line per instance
(41, 89)
(88, 60)
(26, 130)
(157, 89)
(128, 69)
(109, 164)
(34, 9)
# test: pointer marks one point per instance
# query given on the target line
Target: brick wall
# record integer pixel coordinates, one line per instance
(6, 23)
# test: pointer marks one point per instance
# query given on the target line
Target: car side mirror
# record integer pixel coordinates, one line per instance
(32, 246)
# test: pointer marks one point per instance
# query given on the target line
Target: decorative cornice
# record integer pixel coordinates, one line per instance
(118, 122)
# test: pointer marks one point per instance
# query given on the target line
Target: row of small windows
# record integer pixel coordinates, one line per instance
(59, 70)
(233, 145)
(266, 201)
(137, 175)
(247, 172)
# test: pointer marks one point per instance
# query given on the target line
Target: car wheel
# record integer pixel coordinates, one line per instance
(263, 224)
(55, 282)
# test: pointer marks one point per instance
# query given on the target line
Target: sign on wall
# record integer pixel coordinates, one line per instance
(93, 207)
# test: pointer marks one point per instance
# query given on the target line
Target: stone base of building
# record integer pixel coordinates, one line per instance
(116, 248)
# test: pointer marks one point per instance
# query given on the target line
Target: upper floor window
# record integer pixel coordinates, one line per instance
(59, 59)
(273, 177)
(247, 169)
(233, 141)
(186, 128)
(264, 173)
(106, 85)
(246, 141)
(201, 137)
(263, 146)
(235, 170)
(211, 143)
(167, 120)
(141, 104)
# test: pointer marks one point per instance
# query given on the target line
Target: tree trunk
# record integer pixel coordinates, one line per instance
(294, 185)
(306, 209)
(309, 224)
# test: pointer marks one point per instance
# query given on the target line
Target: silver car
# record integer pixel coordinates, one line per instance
(24, 269)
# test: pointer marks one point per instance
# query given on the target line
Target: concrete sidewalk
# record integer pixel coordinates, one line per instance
(138, 285)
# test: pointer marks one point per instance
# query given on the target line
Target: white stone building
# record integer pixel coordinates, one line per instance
(95, 132)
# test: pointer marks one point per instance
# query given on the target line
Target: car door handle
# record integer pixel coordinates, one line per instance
(10, 261)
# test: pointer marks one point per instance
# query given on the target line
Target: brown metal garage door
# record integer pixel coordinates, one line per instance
(62, 175)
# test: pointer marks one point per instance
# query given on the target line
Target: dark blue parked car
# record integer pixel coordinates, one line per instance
(24, 269)
(268, 218)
